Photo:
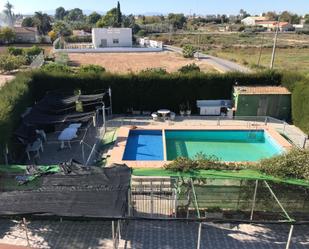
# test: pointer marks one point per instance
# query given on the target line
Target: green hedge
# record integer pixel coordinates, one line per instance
(15, 96)
(152, 91)
(298, 84)
(300, 106)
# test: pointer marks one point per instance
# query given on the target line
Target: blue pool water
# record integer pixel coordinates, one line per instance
(144, 145)
(227, 145)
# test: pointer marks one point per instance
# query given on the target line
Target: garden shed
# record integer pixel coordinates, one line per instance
(273, 101)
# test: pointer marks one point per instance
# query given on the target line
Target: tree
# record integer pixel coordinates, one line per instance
(52, 35)
(42, 22)
(93, 18)
(60, 13)
(7, 34)
(290, 17)
(109, 20)
(61, 28)
(75, 15)
(28, 22)
(271, 15)
(243, 13)
(286, 17)
(9, 15)
(118, 15)
(129, 22)
(177, 20)
(306, 19)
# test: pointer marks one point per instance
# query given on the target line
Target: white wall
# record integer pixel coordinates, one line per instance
(150, 43)
(248, 21)
(124, 36)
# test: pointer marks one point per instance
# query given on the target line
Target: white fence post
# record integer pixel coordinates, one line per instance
(254, 199)
(199, 236)
(290, 237)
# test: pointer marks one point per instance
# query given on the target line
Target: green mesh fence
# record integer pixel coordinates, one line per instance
(220, 174)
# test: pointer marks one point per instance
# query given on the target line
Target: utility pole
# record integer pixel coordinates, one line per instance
(275, 44)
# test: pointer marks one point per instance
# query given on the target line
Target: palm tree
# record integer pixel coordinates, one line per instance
(42, 22)
(10, 17)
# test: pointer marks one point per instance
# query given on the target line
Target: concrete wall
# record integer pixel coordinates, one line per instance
(108, 50)
(110, 35)
(248, 21)
(277, 106)
(150, 43)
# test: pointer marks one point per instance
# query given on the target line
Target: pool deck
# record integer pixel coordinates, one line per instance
(123, 133)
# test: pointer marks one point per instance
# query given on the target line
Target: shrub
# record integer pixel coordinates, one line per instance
(141, 33)
(294, 164)
(188, 51)
(201, 162)
(157, 70)
(15, 51)
(33, 51)
(189, 68)
(92, 69)
(56, 68)
(11, 62)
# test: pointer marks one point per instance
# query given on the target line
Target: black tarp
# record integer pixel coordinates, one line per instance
(55, 109)
(55, 103)
(38, 118)
(75, 192)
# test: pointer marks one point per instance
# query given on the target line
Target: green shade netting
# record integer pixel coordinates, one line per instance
(245, 174)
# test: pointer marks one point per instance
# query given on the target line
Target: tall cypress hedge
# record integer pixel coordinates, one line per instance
(151, 91)
(15, 96)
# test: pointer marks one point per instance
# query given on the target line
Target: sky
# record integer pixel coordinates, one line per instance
(202, 7)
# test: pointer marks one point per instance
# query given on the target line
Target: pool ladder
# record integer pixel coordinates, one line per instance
(252, 132)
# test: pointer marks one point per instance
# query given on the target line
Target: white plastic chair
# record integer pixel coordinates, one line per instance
(34, 147)
(172, 115)
(155, 116)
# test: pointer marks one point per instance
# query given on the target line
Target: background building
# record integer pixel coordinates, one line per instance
(112, 37)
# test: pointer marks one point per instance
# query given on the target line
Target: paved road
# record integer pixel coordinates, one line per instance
(218, 63)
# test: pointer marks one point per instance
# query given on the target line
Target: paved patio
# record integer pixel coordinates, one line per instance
(151, 234)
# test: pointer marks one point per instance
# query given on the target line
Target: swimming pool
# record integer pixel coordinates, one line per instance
(144, 145)
(227, 145)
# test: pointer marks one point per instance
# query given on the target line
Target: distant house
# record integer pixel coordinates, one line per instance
(26, 35)
(112, 37)
(81, 33)
(272, 25)
(253, 20)
(271, 101)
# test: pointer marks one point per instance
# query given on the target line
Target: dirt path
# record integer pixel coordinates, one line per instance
(5, 78)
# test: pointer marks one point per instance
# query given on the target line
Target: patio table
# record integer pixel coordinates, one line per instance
(164, 112)
(67, 135)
